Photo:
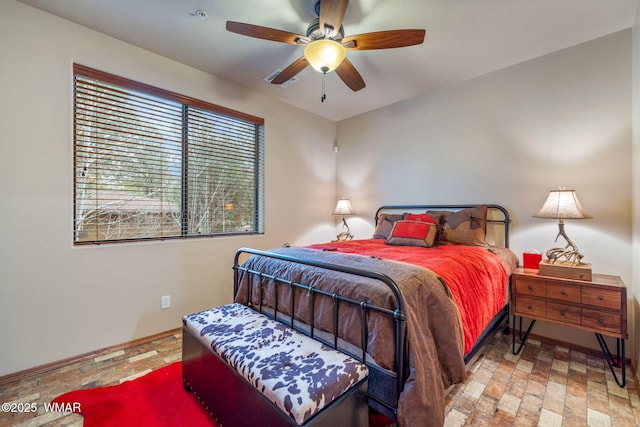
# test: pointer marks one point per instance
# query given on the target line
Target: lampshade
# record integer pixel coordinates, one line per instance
(562, 204)
(325, 55)
(343, 207)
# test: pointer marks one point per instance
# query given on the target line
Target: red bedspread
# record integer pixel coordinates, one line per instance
(475, 276)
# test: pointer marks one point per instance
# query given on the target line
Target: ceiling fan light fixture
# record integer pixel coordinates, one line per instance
(325, 55)
(326, 44)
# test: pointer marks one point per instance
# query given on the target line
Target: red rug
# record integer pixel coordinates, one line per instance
(154, 400)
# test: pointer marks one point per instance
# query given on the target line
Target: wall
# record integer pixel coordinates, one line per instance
(636, 182)
(57, 300)
(509, 137)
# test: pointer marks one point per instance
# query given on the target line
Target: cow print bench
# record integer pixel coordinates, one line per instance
(250, 370)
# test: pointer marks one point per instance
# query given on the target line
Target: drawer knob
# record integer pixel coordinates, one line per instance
(600, 297)
(530, 288)
(600, 321)
(562, 313)
(529, 307)
(563, 292)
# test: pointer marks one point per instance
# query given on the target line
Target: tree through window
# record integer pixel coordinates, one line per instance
(151, 164)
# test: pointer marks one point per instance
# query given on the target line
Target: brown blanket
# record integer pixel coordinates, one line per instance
(434, 332)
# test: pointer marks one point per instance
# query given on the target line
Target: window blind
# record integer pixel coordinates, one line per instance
(151, 164)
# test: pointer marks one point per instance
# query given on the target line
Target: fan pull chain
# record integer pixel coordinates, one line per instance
(324, 74)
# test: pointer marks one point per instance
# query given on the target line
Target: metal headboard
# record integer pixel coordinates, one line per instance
(492, 211)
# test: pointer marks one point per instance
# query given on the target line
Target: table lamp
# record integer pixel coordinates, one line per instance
(343, 207)
(563, 204)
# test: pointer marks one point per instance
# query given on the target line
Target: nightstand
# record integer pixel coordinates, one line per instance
(598, 306)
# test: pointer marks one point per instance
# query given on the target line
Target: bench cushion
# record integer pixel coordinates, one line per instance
(300, 375)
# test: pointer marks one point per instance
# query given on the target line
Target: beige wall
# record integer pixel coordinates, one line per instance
(57, 301)
(509, 137)
(636, 186)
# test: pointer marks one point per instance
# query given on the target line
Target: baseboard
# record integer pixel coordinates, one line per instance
(37, 370)
(570, 346)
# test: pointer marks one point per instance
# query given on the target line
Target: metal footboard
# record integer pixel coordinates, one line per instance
(398, 313)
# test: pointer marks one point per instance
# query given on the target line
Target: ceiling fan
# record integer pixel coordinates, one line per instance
(326, 45)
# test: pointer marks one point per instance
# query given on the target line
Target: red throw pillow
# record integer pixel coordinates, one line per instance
(425, 217)
(413, 233)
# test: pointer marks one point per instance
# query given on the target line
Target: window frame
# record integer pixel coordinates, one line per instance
(185, 102)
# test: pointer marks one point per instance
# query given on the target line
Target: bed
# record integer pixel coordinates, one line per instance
(416, 302)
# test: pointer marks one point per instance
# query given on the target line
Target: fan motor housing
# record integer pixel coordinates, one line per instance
(314, 32)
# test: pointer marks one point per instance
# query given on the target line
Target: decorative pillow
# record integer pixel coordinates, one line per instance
(464, 227)
(425, 217)
(413, 233)
(385, 224)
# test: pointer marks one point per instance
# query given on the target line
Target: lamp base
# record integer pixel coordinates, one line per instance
(565, 269)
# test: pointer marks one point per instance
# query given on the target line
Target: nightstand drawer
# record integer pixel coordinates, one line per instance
(602, 298)
(599, 305)
(531, 287)
(530, 307)
(564, 313)
(602, 320)
(563, 292)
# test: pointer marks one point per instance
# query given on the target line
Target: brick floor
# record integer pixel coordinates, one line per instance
(546, 385)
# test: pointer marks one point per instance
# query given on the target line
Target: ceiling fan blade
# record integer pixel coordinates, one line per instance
(291, 71)
(266, 33)
(350, 76)
(331, 14)
(384, 39)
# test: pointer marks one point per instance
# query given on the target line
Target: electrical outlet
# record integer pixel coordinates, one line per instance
(165, 302)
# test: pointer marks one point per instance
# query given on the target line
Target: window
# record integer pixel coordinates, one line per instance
(151, 164)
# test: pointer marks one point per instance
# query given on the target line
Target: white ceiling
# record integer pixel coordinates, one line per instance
(465, 39)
